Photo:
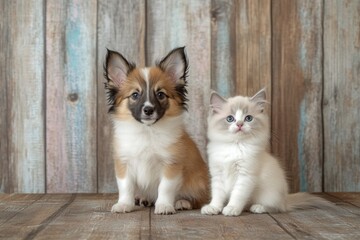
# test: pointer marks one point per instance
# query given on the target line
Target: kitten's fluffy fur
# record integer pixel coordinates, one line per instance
(242, 172)
(155, 159)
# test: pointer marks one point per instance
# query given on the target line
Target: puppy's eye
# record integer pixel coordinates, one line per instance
(230, 119)
(160, 95)
(248, 118)
(135, 96)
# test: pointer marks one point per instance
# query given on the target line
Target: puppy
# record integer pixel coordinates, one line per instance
(155, 159)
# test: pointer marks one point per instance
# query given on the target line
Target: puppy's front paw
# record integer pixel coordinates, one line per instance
(122, 208)
(164, 209)
(210, 210)
(231, 211)
(183, 205)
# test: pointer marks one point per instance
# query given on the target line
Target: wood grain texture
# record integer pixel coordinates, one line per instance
(71, 96)
(349, 197)
(26, 223)
(193, 225)
(341, 95)
(253, 47)
(23, 72)
(121, 27)
(297, 91)
(14, 204)
(173, 24)
(223, 47)
(89, 217)
(341, 222)
(4, 76)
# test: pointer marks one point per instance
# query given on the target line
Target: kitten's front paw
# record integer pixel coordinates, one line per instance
(257, 208)
(210, 210)
(183, 205)
(231, 211)
(164, 209)
(122, 208)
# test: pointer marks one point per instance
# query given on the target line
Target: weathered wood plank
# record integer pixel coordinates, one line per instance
(340, 222)
(71, 96)
(193, 225)
(341, 96)
(297, 91)
(349, 197)
(173, 24)
(121, 27)
(11, 205)
(4, 76)
(26, 223)
(22, 66)
(223, 47)
(89, 217)
(253, 48)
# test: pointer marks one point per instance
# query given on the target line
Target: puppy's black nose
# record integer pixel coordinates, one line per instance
(148, 110)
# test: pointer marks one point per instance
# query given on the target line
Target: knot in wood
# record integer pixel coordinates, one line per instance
(73, 97)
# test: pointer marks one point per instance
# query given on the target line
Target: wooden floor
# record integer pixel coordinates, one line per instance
(87, 216)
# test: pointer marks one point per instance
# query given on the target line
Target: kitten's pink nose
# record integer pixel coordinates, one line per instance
(240, 125)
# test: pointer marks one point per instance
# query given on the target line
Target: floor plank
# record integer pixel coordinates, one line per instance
(350, 197)
(89, 217)
(193, 225)
(33, 213)
(331, 223)
(10, 205)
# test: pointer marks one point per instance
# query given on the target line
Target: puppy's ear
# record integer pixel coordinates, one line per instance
(176, 64)
(116, 68)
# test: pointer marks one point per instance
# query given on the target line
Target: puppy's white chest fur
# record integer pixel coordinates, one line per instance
(145, 149)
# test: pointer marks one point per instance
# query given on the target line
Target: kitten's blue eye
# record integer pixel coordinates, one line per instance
(135, 96)
(248, 118)
(230, 119)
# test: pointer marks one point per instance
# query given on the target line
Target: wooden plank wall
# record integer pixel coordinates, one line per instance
(23, 91)
(54, 130)
(341, 95)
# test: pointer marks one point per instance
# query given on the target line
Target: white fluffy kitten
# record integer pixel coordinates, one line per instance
(242, 172)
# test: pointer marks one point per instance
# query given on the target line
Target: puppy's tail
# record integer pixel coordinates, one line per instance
(302, 200)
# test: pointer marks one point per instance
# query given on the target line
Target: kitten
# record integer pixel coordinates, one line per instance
(243, 172)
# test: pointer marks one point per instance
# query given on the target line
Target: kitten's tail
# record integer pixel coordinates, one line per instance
(302, 200)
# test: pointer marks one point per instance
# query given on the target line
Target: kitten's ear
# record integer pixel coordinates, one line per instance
(216, 101)
(176, 64)
(260, 98)
(116, 68)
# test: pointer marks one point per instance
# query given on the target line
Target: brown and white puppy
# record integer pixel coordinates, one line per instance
(154, 156)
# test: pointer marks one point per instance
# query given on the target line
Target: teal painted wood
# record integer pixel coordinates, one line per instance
(341, 95)
(223, 47)
(297, 91)
(71, 96)
(121, 27)
(173, 24)
(24, 79)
